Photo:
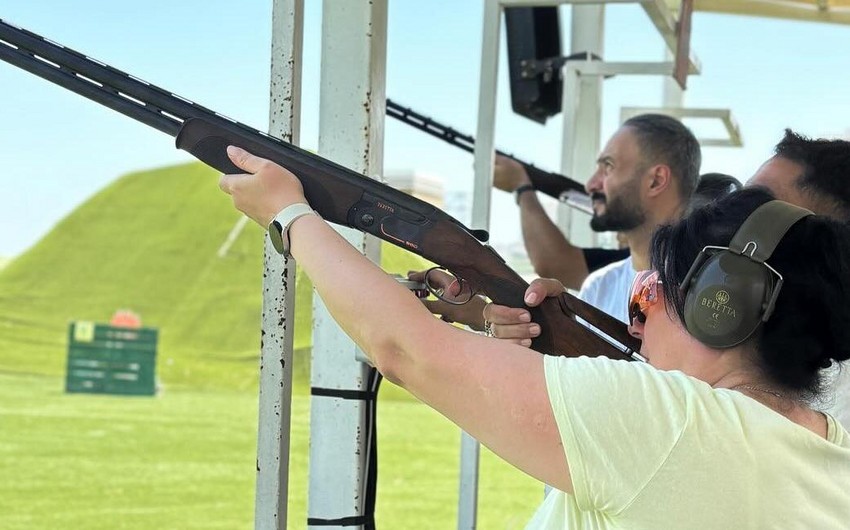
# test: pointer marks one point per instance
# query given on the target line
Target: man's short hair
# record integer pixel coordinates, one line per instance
(826, 169)
(666, 140)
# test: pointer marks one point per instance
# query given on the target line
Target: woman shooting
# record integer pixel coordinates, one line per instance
(715, 431)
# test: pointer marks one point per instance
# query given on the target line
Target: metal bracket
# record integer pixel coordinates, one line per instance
(530, 68)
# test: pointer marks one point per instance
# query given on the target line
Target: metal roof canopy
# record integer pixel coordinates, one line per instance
(831, 11)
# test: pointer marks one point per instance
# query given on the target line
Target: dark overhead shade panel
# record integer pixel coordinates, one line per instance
(533, 35)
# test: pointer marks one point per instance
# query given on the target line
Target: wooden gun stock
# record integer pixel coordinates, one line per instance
(561, 332)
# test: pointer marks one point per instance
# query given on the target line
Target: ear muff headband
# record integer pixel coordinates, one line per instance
(765, 228)
(730, 291)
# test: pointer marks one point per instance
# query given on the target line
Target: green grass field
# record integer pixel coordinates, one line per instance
(186, 458)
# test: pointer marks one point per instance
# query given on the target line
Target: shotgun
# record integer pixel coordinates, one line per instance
(338, 194)
(552, 184)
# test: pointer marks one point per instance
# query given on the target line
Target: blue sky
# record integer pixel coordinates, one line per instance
(57, 149)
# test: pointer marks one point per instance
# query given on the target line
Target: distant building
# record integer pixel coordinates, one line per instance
(421, 185)
(459, 206)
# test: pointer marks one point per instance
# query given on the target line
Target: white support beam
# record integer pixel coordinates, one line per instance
(470, 450)
(486, 130)
(581, 112)
(278, 312)
(672, 94)
(351, 116)
(724, 115)
(602, 68)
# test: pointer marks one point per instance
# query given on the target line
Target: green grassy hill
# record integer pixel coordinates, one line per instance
(185, 459)
(149, 242)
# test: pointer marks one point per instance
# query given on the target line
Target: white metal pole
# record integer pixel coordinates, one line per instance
(470, 449)
(275, 398)
(486, 129)
(351, 113)
(582, 127)
(672, 93)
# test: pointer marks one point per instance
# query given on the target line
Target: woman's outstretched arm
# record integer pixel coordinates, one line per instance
(494, 390)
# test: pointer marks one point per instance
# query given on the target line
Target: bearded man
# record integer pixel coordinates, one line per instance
(644, 178)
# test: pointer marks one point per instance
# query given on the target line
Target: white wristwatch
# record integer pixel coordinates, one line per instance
(279, 227)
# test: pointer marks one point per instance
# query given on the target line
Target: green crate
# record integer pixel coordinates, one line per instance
(105, 359)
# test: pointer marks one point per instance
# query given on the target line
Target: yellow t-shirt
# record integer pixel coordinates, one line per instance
(656, 450)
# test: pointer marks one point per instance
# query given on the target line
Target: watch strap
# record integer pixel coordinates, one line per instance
(279, 227)
(522, 189)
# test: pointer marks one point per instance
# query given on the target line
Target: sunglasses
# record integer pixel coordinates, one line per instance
(643, 295)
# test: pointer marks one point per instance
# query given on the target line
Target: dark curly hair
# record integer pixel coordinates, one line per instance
(810, 326)
(710, 187)
(826, 170)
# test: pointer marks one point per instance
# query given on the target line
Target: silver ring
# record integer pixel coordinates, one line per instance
(488, 329)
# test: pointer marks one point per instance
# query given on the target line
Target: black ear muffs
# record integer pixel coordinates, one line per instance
(730, 291)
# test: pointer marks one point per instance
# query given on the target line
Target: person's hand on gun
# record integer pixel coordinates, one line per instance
(514, 324)
(449, 288)
(264, 190)
(508, 174)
